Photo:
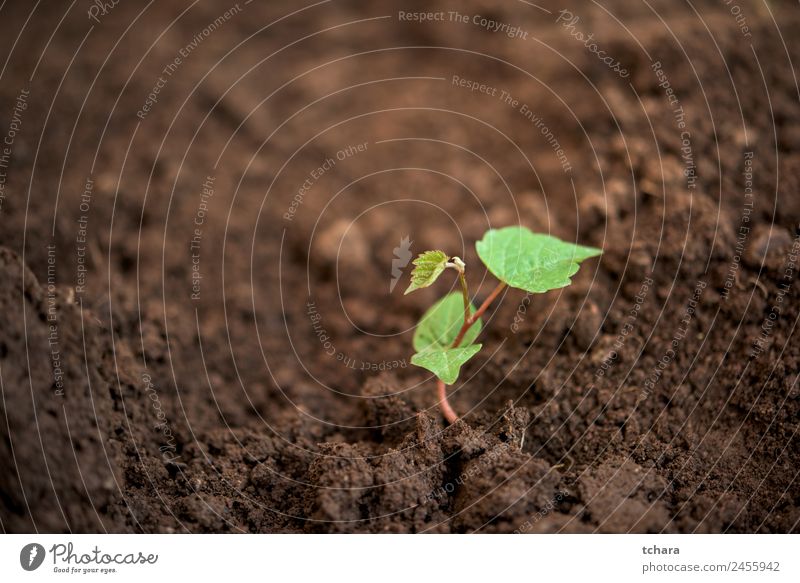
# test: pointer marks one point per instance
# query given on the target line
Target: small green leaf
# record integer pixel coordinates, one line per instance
(445, 363)
(440, 325)
(428, 266)
(531, 261)
(435, 334)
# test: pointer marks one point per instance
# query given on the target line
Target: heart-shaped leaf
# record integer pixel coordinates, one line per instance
(440, 325)
(435, 334)
(428, 266)
(445, 363)
(531, 261)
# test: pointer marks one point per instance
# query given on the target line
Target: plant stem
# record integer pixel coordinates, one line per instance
(465, 293)
(469, 320)
(449, 415)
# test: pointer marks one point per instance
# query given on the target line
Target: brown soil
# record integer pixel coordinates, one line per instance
(659, 393)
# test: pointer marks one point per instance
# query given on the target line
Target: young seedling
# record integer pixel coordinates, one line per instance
(445, 337)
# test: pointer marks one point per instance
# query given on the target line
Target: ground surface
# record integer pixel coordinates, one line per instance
(270, 392)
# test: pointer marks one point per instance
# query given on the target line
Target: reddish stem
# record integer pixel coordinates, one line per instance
(468, 322)
(444, 405)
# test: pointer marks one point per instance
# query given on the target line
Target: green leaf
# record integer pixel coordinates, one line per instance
(445, 363)
(435, 334)
(531, 261)
(428, 266)
(440, 325)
